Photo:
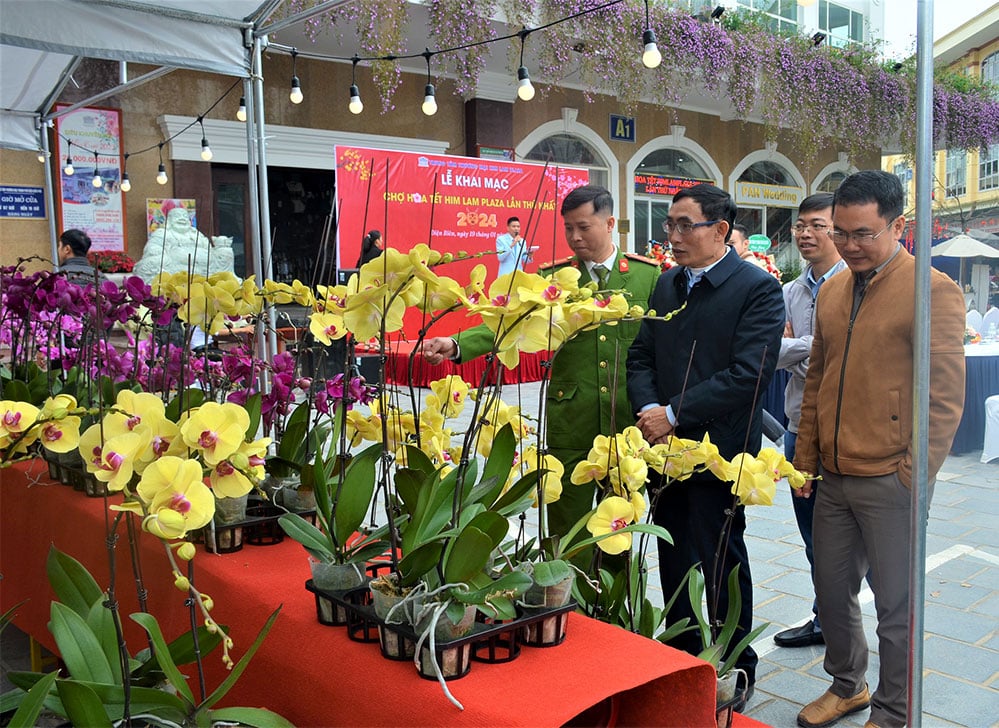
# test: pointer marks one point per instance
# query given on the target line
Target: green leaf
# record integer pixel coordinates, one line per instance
(148, 622)
(633, 528)
(256, 717)
(293, 442)
(550, 573)
(315, 541)
(72, 583)
(407, 485)
(240, 666)
(79, 646)
(418, 562)
(497, 467)
(184, 401)
(356, 493)
(32, 703)
(101, 622)
(469, 555)
(516, 499)
(82, 705)
(253, 405)
(16, 390)
(418, 460)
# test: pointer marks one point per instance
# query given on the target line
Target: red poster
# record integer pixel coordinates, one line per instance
(453, 203)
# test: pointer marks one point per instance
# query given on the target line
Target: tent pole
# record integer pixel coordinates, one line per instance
(266, 269)
(50, 197)
(921, 358)
(253, 234)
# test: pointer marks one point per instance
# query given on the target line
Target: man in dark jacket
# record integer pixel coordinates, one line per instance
(73, 248)
(700, 373)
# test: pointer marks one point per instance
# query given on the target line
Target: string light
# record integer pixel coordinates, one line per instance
(206, 151)
(68, 169)
(355, 105)
(525, 91)
(161, 175)
(241, 111)
(296, 95)
(429, 96)
(41, 156)
(126, 184)
(97, 181)
(651, 57)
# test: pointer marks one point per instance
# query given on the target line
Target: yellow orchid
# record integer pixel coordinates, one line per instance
(589, 471)
(475, 291)
(215, 430)
(451, 392)
(206, 307)
(677, 458)
(17, 418)
(781, 468)
(332, 299)
(530, 335)
(504, 296)
(752, 481)
(546, 291)
(113, 461)
(441, 295)
(422, 256)
(612, 514)
(177, 499)
(277, 292)
(707, 453)
(236, 476)
(629, 476)
(550, 482)
(59, 431)
(365, 310)
(326, 327)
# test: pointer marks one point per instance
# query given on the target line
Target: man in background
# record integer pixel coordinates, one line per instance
(740, 241)
(856, 430)
(811, 233)
(511, 248)
(73, 248)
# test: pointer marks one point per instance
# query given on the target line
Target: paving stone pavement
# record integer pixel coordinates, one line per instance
(961, 639)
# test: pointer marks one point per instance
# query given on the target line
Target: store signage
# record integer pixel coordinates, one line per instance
(622, 128)
(24, 202)
(754, 193)
(759, 243)
(654, 184)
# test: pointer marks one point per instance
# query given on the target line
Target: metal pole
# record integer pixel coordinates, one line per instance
(50, 198)
(253, 234)
(265, 212)
(921, 357)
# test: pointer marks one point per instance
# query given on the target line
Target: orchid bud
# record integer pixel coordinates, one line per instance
(207, 602)
(186, 551)
(182, 583)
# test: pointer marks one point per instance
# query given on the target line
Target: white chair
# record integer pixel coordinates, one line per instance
(990, 447)
(974, 320)
(991, 318)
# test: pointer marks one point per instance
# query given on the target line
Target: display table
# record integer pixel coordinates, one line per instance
(981, 382)
(314, 675)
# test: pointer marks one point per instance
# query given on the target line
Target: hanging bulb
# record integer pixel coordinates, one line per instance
(524, 88)
(97, 181)
(206, 151)
(429, 101)
(126, 185)
(68, 169)
(355, 105)
(161, 176)
(296, 91)
(651, 57)
(41, 157)
(241, 111)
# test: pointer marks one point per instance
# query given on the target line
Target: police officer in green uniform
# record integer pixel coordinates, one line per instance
(587, 395)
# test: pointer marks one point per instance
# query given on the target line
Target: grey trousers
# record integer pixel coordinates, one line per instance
(862, 523)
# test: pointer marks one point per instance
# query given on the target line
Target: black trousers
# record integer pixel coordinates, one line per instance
(693, 511)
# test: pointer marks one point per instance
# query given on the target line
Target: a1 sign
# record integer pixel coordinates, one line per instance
(622, 128)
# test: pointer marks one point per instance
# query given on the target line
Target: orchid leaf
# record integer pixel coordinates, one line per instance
(517, 499)
(79, 646)
(101, 622)
(32, 704)
(648, 528)
(253, 405)
(148, 622)
(550, 573)
(416, 459)
(82, 705)
(240, 666)
(355, 495)
(312, 539)
(497, 467)
(469, 555)
(72, 583)
(256, 717)
(184, 401)
(418, 562)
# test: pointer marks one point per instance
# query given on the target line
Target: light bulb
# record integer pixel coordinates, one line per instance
(206, 151)
(429, 100)
(41, 157)
(524, 88)
(161, 176)
(68, 169)
(651, 57)
(97, 181)
(126, 185)
(241, 111)
(355, 105)
(296, 91)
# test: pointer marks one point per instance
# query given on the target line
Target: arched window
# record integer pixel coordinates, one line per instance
(672, 163)
(831, 182)
(767, 173)
(772, 219)
(573, 151)
(652, 201)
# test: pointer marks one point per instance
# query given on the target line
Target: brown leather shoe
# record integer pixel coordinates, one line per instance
(830, 707)
(871, 724)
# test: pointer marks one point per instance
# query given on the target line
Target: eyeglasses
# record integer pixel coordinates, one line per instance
(684, 227)
(841, 236)
(817, 227)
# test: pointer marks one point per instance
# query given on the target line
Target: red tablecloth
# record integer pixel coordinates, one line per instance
(314, 675)
(397, 367)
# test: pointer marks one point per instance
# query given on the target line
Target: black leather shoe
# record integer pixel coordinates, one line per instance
(740, 705)
(801, 636)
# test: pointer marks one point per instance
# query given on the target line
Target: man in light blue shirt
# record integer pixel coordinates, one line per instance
(511, 249)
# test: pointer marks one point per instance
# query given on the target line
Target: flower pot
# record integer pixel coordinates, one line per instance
(454, 662)
(731, 689)
(445, 630)
(275, 486)
(336, 577)
(230, 510)
(546, 632)
(224, 534)
(298, 500)
(548, 597)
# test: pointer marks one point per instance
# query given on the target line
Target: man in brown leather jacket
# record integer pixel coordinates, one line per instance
(856, 429)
